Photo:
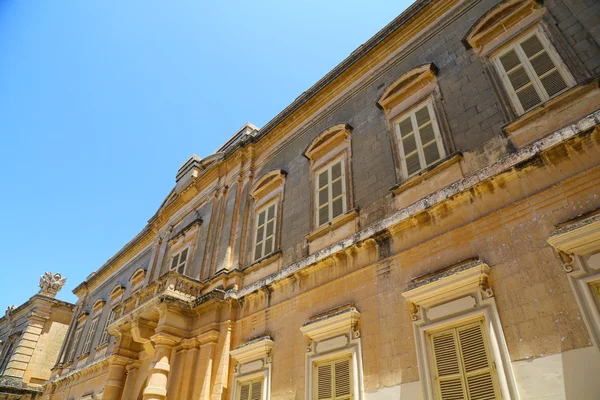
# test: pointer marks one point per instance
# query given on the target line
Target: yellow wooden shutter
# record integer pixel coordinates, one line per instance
(462, 364)
(256, 390)
(447, 365)
(244, 391)
(334, 379)
(476, 363)
(324, 382)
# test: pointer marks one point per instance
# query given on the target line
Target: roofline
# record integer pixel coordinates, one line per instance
(355, 56)
(39, 296)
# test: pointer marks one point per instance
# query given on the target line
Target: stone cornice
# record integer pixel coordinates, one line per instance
(580, 236)
(31, 304)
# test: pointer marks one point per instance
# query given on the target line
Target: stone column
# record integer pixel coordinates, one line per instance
(156, 388)
(189, 354)
(116, 377)
(132, 370)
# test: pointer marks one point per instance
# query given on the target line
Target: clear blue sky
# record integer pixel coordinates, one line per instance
(102, 101)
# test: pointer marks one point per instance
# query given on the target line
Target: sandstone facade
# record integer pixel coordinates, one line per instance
(423, 223)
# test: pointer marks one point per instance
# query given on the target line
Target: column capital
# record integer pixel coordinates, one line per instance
(165, 339)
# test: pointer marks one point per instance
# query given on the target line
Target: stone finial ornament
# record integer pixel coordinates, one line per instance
(51, 283)
(9, 310)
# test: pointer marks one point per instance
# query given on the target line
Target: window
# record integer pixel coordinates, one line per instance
(330, 192)
(462, 365)
(419, 139)
(75, 342)
(179, 260)
(109, 320)
(265, 231)
(333, 380)
(6, 356)
(532, 71)
(251, 390)
(90, 336)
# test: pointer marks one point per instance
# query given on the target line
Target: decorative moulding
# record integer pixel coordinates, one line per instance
(406, 85)
(117, 291)
(253, 350)
(580, 236)
(98, 305)
(501, 22)
(340, 321)
(268, 182)
(327, 140)
(333, 225)
(427, 173)
(448, 284)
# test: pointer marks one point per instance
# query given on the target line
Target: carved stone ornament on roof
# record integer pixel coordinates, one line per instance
(9, 310)
(51, 283)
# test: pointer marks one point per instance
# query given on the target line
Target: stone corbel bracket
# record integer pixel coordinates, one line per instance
(449, 290)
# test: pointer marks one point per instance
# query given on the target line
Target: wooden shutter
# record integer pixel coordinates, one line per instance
(90, 336)
(256, 390)
(182, 261)
(251, 390)
(337, 190)
(476, 363)
(427, 136)
(545, 69)
(520, 80)
(463, 369)
(334, 379)
(245, 391)
(323, 197)
(409, 146)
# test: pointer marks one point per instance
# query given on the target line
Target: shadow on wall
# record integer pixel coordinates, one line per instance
(572, 375)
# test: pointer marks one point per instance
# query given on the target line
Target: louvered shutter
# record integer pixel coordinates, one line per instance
(245, 391)
(256, 390)
(427, 136)
(90, 336)
(409, 146)
(182, 261)
(449, 380)
(477, 366)
(544, 67)
(260, 228)
(520, 80)
(462, 364)
(323, 197)
(343, 388)
(337, 190)
(324, 382)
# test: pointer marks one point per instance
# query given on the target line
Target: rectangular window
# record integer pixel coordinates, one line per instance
(462, 365)
(266, 224)
(6, 356)
(420, 140)
(109, 320)
(90, 336)
(333, 379)
(251, 390)
(75, 342)
(331, 192)
(532, 71)
(179, 260)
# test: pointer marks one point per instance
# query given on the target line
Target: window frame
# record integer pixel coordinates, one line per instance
(178, 254)
(411, 113)
(264, 207)
(110, 318)
(239, 382)
(77, 333)
(465, 324)
(515, 44)
(341, 158)
(332, 360)
(5, 356)
(90, 334)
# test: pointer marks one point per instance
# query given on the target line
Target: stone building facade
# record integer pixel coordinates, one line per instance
(31, 336)
(422, 223)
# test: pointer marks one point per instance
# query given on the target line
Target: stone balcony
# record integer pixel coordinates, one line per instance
(172, 287)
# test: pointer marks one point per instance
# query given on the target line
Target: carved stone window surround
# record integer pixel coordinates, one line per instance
(332, 335)
(578, 245)
(253, 361)
(267, 191)
(456, 295)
